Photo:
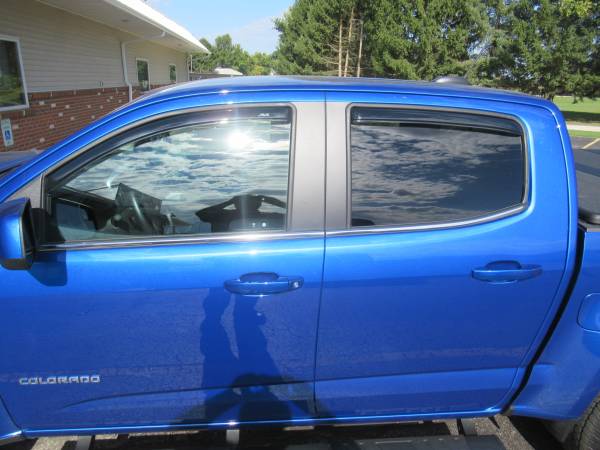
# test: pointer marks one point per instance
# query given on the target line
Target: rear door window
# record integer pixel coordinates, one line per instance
(413, 167)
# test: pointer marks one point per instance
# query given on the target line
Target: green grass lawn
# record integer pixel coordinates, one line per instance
(586, 134)
(586, 112)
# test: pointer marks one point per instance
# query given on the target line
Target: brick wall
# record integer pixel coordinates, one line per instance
(52, 116)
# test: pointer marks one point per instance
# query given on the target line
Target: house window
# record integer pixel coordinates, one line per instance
(13, 92)
(173, 73)
(143, 74)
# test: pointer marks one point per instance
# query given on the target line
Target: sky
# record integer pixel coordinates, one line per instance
(249, 22)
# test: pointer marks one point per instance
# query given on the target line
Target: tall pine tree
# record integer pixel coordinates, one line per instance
(543, 47)
(396, 38)
(317, 37)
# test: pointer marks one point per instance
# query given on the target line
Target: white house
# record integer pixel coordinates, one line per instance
(65, 63)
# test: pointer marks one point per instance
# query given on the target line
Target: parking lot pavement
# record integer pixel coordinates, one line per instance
(514, 433)
(581, 143)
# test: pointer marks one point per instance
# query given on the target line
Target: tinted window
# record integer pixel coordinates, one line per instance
(228, 173)
(412, 167)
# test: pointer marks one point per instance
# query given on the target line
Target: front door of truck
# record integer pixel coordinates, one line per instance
(444, 261)
(179, 277)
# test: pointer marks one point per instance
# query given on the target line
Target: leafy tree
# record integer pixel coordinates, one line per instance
(225, 53)
(594, 80)
(261, 64)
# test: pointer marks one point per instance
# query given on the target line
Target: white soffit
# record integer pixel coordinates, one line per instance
(134, 17)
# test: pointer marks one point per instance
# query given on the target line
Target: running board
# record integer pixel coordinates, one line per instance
(416, 443)
(433, 443)
(467, 440)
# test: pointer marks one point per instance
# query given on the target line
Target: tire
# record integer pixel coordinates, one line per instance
(586, 433)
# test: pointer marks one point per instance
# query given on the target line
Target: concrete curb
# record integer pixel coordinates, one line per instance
(574, 127)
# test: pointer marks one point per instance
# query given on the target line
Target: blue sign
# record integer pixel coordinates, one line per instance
(7, 135)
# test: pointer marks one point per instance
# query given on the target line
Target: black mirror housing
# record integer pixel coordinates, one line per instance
(17, 245)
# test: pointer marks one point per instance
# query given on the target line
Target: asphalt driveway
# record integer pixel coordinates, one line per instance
(581, 143)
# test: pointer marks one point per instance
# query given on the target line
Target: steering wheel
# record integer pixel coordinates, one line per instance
(134, 220)
(246, 206)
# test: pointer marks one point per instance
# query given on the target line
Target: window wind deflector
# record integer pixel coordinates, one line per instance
(433, 117)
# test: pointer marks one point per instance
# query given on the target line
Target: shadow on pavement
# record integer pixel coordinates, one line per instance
(579, 116)
(535, 433)
(24, 445)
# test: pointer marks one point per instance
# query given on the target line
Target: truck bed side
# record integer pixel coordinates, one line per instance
(566, 377)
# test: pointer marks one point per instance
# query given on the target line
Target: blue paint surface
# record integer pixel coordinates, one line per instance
(566, 376)
(589, 314)
(170, 344)
(384, 327)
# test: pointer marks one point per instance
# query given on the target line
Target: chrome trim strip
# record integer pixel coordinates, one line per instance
(183, 240)
(525, 200)
(428, 227)
(11, 438)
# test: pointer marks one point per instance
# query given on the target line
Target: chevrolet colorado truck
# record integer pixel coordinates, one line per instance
(301, 251)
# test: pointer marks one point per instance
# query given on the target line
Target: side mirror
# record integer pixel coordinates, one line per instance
(16, 235)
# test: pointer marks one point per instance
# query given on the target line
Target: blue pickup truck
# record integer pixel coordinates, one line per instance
(301, 251)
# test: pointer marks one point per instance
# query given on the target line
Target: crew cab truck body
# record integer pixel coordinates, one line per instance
(276, 251)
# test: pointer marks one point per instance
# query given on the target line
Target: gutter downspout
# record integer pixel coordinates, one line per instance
(124, 60)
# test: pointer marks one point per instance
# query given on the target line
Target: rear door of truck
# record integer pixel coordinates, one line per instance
(446, 248)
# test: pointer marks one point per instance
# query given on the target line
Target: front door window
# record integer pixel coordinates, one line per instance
(225, 173)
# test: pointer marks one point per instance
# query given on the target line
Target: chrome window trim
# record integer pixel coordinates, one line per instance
(153, 241)
(162, 241)
(386, 229)
(490, 217)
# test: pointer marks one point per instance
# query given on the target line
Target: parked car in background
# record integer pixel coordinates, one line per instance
(292, 251)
